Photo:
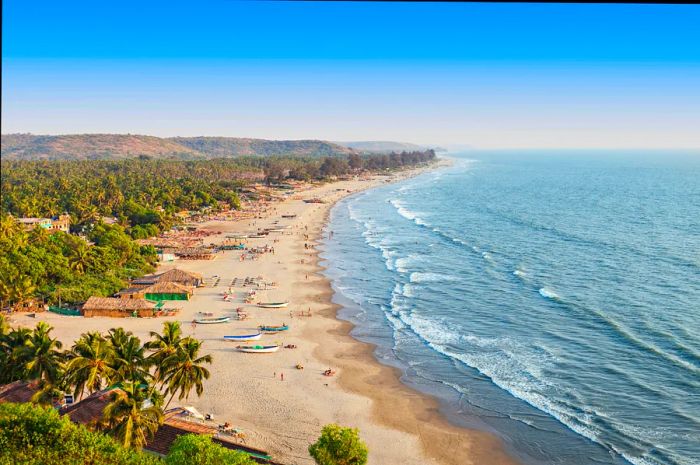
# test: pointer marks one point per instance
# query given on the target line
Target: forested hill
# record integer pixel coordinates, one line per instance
(124, 146)
(380, 146)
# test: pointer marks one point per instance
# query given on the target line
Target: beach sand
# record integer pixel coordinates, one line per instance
(399, 425)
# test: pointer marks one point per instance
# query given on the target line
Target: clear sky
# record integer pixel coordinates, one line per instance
(485, 75)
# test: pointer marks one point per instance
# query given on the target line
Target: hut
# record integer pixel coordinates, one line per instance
(185, 278)
(19, 391)
(166, 290)
(118, 308)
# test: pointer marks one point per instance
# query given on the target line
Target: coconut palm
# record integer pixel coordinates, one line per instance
(185, 370)
(131, 418)
(43, 355)
(13, 354)
(164, 345)
(129, 361)
(90, 364)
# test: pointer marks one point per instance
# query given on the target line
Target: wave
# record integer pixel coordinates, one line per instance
(548, 293)
(520, 273)
(419, 277)
(408, 214)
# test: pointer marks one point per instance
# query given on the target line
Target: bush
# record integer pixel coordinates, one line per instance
(339, 446)
(193, 449)
(34, 435)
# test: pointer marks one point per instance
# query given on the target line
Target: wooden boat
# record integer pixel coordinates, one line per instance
(289, 216)
(211, 321)
(273, 304)
(244, 337)
(273, 329)
(258, 349)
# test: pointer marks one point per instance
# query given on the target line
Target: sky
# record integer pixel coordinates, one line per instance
(450, 74)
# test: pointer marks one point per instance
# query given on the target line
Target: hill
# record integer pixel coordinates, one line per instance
(378, 146)
(124, 146)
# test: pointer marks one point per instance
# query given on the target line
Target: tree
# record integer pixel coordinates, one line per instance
(339, 446)
(90, 364)
(129, 418)
(164, 345)
(43, 355)
(184, 369)
(31, 434)
(193, 449)
(129, 362)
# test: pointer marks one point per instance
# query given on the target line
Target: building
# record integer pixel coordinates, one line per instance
(158, 292)
(62, 223)
(18, 391)
(176, 424)
(174, 275)
(119, 308)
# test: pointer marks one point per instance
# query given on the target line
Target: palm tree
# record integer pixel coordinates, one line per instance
(130, 417)
(43, 355)
(129, 361)
(165, 345)
(90, 364)
(13, 354)
(185, 371)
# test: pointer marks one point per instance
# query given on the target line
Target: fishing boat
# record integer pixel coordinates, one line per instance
(273, 304)
(273, 329)
(258, 349)
(289, 216)
(244, 337)
(211, 321)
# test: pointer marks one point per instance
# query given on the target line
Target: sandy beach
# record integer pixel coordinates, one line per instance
(279, 407)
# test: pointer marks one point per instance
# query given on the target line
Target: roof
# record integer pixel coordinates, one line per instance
(166, 287)
(177, 274)
(32, 220)
(18, 391)
(90, 409)
(173, 426)
(111, 303)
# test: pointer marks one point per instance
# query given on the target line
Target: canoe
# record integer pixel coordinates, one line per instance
(244, 337)
(273, 304)
(273, 329)
(211, 321)
(258, 349)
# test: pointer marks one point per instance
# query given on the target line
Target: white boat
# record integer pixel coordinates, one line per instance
(273, 304)
(244, 337)
(258, 349)
(211, 321)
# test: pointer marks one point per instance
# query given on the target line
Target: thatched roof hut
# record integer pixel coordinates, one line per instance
(119, 308)
(166, 290)
(185, 278)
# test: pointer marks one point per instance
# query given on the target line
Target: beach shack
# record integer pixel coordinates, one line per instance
(167, 291)
(118, 308)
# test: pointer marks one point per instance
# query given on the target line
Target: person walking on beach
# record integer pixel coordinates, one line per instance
(282, 376)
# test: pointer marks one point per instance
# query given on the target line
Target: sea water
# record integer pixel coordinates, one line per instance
(552, 298)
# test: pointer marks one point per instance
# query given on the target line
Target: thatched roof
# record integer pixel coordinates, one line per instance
(18, 391)
(166, 287)
(176, 274)
(89, 410)
(124, 305)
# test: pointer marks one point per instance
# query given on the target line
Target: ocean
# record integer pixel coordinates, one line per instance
(552, 297)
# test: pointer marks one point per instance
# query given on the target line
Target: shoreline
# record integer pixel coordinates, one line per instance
(396, 404)
(284, 416)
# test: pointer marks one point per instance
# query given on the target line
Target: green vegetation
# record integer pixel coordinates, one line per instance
(36, 435)
(192, 449)
(64, 268)
(96, 361)
(144, 195)
(339, 446)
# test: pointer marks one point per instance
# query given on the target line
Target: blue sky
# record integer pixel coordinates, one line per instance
(486, 75)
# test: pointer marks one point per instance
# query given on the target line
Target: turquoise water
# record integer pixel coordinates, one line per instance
(551, 298)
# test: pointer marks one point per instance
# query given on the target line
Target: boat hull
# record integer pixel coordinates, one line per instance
(261, 350)
(213, 321)
(273, 305)
(247, 337)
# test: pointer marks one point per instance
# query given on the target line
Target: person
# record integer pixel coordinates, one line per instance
(282, 376)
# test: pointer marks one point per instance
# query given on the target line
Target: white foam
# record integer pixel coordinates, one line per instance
(417, 277)
(548, 293)
(519, 273)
